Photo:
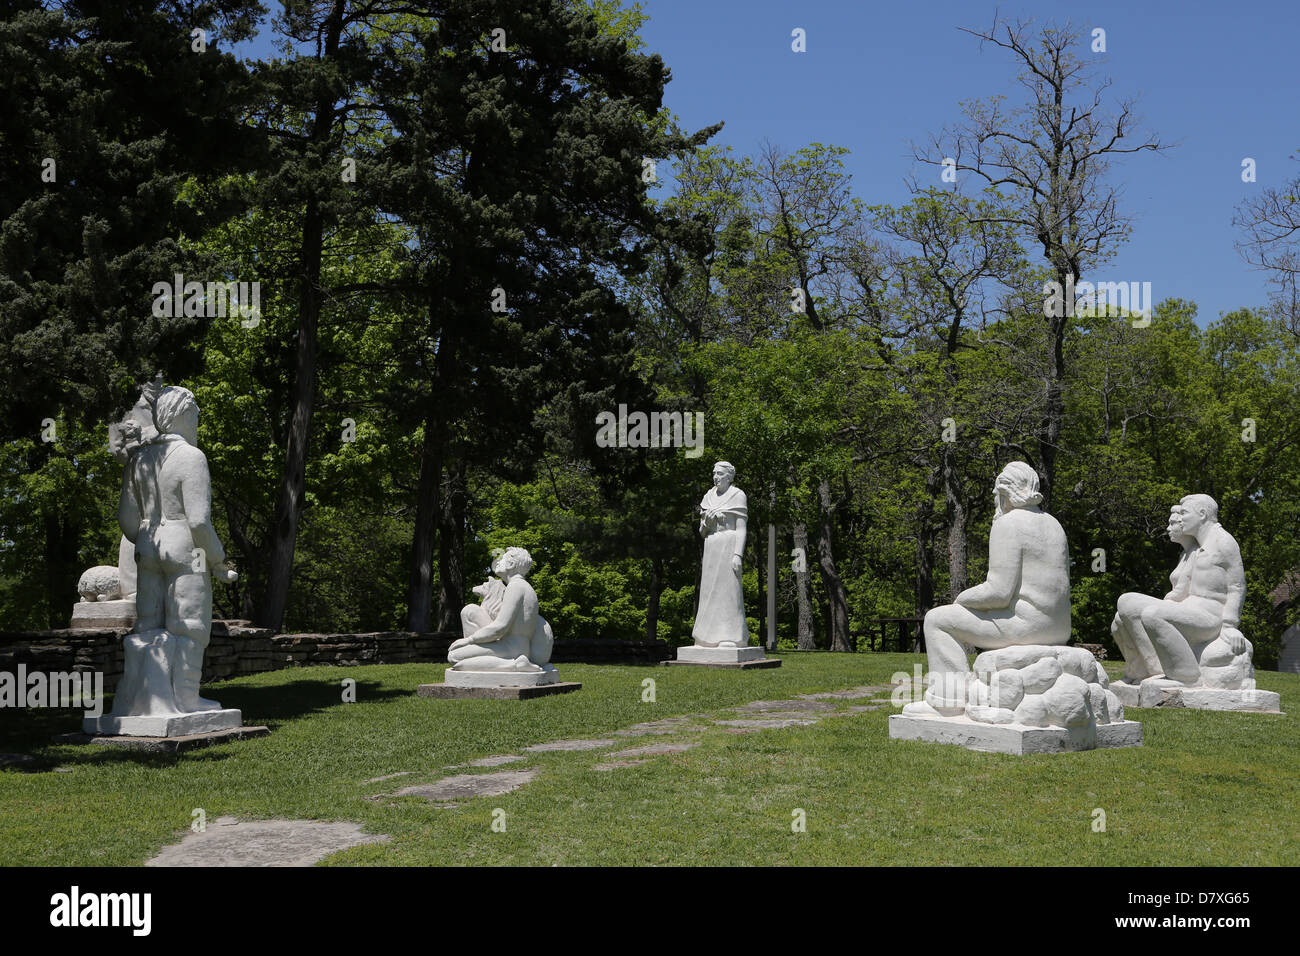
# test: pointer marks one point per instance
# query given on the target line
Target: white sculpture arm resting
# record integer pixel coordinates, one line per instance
(1000, 588)
(196, 493)
(740, 537)
(511, 604)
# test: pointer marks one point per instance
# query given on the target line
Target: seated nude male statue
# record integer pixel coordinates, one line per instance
(514, 638)
(1025, 600)
(1165, 637)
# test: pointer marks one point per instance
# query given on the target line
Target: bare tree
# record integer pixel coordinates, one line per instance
(1051, 154)
(1271, 222)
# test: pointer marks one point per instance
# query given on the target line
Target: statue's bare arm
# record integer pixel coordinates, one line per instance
(512, 604)
(196, 496)
(1000, 587)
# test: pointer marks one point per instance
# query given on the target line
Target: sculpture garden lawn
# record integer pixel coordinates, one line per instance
(1207, 788)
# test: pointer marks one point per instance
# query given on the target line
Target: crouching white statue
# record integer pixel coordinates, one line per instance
(507, 642)
(1185, 648)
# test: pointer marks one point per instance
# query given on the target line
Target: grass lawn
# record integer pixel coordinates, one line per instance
(1205, 789)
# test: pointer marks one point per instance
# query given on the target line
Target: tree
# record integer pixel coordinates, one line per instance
(1051, 156)
(518, 162)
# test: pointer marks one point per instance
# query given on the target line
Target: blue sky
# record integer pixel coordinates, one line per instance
(1217, 81)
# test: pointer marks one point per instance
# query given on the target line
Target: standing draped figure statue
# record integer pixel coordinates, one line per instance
(720, 620)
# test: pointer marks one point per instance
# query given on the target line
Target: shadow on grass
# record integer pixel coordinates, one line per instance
(274, 705)
(30, 731)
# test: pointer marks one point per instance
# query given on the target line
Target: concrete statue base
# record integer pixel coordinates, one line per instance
(163, 725)
(502, 678)
(737, 658)
(1158, 692)
(101, 615)
(516, 692)
(1014, 738)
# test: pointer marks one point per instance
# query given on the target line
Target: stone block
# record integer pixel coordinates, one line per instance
(163, 725)
(451, 692)
(1013, 738)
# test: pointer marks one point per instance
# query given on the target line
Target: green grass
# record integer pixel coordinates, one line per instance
(1206, 789)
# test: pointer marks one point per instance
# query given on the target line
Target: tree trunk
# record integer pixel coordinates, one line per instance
(293, 483)
(652, 605)
(61, 570)
(924, 594)
(837, 597)
(451, 548)
(803, 591)
(288, 506)
(419, 595)
(956, 519)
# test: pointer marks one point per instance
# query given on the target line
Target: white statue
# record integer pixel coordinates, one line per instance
(1028, 692)
(1025, 599)
(720, 620)
(505, 632)
(1190, 637)
(164, 510)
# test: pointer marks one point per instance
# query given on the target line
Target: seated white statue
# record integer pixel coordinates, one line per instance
(1024, 601)
(1190, 635)
(505, 632)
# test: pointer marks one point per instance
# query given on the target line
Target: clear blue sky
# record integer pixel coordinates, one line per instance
(1221, 80)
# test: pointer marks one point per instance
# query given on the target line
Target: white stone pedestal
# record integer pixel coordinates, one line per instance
(164, 725)
(1158, 692)
(731, 657)
(458, 678)
(99, 615)
(1013, 738)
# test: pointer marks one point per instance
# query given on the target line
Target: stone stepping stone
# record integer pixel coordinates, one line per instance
(862, 708)
(466, 785)
(656, 750)
(770, 724)
(228, 842)
(390, 776)
(16, 760)
(497, 761)
(668, 725)
(788, 706)
(851, 694)
(569, 745)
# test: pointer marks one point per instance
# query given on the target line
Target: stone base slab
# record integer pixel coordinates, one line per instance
(452, 692)
(1013, 738)
(719, 655)
(1160, 694)
(729, 665)
(164, 725)
(166, 745)
(456, 678)
(98, 615)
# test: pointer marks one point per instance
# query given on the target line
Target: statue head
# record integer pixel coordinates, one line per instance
(1190, 515)
(177, 413)
(724, 474)
(514, 561)
(1016, 487)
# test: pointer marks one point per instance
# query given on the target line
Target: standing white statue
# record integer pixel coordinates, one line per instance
(165, 511)
(1028, 691)
(1188, 642)
(720, 620)
(720, 632)
(506, 640)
